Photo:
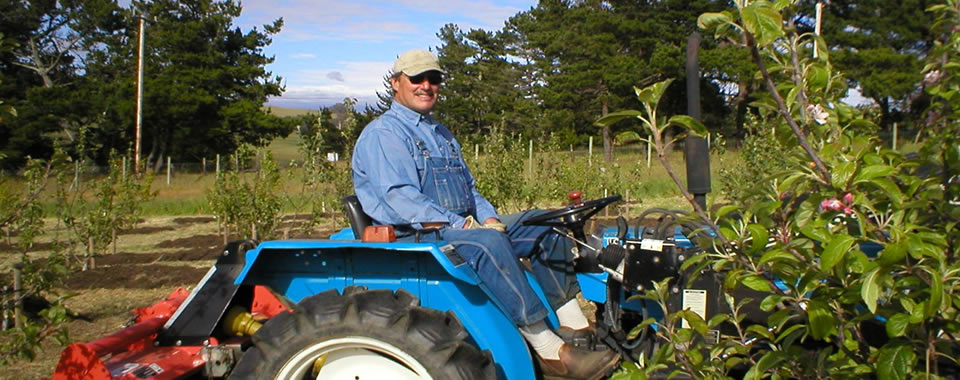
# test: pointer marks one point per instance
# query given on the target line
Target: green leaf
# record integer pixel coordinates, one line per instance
(651, 94)
(873, 171)
(936, 294)
(835, 250)
(770, 302)
(895, 360)
(767, 361)
(892, 253)
(815, 231)
(713, 20)
(842, 172)
(897, 324)
(724, 210)
(695, 321)
(757, 283)
(614, 117)
(761, 331)
(820, 319)
(759, 237)
(817, 77)
(777, 256)
(889, 188)
(691, 124)
(627, 137)
(870, 289)
(762, 21)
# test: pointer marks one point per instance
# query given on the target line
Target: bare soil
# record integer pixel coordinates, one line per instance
(152, 260)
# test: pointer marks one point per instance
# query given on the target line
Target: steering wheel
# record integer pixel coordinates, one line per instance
(581, 212)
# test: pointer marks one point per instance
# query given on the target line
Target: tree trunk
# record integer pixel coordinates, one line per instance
(607, 135)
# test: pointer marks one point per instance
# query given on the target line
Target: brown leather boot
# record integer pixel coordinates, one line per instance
(577, 364)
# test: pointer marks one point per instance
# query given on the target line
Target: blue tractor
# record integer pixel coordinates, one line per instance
(376, 309)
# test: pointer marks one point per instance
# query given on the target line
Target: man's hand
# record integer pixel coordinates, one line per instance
(490, 223)
(494, 224)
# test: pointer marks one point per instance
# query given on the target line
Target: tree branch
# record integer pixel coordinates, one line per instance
(784, 111)
(18, 210)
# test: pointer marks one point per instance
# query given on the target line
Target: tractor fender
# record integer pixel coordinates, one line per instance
(432, 271)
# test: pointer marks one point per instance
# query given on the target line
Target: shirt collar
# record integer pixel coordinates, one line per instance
(411, 116)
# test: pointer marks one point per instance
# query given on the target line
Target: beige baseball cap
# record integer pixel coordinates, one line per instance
(415, 62)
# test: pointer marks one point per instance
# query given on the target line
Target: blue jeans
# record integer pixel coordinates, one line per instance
(495, 257)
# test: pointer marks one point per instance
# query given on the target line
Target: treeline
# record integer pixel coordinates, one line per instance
(68, 69)
(554, 69)
(68, 78)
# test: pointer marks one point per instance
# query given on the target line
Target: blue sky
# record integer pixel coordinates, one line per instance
(329, 50)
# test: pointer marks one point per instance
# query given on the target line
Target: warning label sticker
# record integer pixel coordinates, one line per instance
(696, 301)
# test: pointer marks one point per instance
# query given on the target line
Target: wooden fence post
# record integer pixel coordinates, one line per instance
(91, 261)
(169, 168)
(218, 163)
(590, 153)
(606, 210)
(530, 160)
(76, 175)
(649, 153)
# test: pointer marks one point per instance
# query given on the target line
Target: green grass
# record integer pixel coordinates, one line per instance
(289, 112)
(286, 149)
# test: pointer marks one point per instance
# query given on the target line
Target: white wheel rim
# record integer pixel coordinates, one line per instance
(354, 358)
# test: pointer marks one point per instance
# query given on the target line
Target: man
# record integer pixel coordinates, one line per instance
(408, 171)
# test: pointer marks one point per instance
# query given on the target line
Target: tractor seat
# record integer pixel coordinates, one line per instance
(358, 219)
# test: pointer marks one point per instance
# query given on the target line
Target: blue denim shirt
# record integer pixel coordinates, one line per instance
(387, 176)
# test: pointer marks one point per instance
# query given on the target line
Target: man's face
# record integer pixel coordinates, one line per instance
(419, 92)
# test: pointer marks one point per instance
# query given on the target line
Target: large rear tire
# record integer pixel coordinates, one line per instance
(363, 335)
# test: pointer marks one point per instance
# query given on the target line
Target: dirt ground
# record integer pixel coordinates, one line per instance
(152, 260)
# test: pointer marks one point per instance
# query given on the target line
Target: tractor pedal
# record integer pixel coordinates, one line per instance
(584, 339)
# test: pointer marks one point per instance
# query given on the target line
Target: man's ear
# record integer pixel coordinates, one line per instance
(395, 84)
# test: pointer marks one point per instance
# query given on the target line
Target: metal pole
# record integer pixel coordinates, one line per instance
(136, 149)
(168, 170)
(695, 148)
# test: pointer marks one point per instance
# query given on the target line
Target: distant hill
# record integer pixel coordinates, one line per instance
(290, 112)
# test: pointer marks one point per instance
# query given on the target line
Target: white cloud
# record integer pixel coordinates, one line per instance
(315, 87)
(303, 56)
(486, 13)
(370, 31)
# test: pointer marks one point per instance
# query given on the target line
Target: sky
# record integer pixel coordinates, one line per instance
(328, 50)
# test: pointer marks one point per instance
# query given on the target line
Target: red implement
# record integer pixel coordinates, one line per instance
(133, 354)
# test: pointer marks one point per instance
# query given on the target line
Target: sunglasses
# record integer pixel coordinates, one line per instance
(433, 77)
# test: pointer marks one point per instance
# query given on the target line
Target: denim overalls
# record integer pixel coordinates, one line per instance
(494, 255)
